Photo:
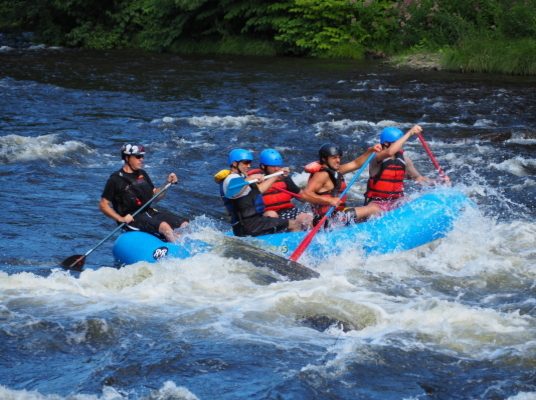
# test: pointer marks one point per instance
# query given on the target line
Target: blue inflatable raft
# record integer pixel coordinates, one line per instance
(418, 222)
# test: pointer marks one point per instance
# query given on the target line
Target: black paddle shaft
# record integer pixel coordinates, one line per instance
(76, 262)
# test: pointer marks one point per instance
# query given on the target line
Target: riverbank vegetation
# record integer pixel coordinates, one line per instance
(481, 35)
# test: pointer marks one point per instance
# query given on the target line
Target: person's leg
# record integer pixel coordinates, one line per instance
(169, 224)
(261, 225)
(305, 220)
(294, 226)
(364, 212)
(165, 229)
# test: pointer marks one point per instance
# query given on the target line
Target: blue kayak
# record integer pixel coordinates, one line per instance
(420, 221)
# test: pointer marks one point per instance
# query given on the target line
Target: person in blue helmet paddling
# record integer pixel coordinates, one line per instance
(279, 196)
(246, 208)
(130, 188)
(388, 170)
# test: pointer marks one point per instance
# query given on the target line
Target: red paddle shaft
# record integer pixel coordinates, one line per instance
(425, 145)
(308, 239)
(288, 192)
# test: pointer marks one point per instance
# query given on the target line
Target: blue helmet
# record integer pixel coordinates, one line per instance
(390, 135)
(271, 157)
(239, 155)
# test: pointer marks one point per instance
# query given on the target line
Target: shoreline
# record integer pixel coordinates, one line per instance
(417, 61)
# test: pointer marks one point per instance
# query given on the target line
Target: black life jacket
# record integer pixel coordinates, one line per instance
(243, 207)
(133, 196)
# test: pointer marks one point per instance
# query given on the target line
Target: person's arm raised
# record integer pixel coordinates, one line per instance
(359, 161)
(396, 146)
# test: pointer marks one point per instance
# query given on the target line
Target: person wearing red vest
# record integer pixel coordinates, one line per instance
(278, 198)
(388, 170)
(326, 183)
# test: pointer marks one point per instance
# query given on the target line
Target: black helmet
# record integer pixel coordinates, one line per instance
(132, 149)
(329, 149)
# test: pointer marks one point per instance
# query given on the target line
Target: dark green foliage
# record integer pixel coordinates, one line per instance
(319, 28)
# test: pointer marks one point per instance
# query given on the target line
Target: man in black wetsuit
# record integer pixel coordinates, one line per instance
(130, 188)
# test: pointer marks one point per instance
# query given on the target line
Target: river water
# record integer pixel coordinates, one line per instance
(455, 319)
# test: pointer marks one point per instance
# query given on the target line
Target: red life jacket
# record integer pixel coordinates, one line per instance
(275, 199)
(320, 209)
(389, 182)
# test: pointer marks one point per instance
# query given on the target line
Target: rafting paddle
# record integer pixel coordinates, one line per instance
(76, 262)
(289, 192)
(236, 184)
(425, 145)
(309, 238)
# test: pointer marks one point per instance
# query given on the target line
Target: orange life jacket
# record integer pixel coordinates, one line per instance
(275, 199)
(389, 182)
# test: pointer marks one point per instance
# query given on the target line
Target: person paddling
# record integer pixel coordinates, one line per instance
(326, 183)
(388, 170)
(246, 209)
(130, 188)
(277, 197)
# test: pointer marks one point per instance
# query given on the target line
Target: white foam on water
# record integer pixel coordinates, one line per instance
(169, 390)
(15, 148)
(523, 396)
(518, 166)
(206, 121)
(484, 123)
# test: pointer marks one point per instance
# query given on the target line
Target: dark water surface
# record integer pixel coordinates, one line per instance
(454, 319)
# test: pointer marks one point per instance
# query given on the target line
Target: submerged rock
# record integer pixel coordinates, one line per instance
(233, 247)
(496, 137)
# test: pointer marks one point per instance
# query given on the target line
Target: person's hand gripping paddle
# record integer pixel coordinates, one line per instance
(236, 184)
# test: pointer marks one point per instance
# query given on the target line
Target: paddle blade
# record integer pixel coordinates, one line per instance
(235, 186)
(76, 262)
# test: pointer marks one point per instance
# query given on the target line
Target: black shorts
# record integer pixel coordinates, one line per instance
(338, 219)
(260, 225)
(288, 213)
(149, 221)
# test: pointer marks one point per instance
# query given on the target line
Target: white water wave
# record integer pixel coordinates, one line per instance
(16, 148)
(168, 391)
(518, 166)
(215, 121)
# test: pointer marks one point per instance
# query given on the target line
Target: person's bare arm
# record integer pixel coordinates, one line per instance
(172, 178)
(359, 161)
(317, 184)
(104, 207)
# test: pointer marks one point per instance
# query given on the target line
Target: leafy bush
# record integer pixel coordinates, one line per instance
(320, 28)
(328, 28)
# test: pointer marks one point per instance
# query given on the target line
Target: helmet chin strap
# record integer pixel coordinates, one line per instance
(127, 162)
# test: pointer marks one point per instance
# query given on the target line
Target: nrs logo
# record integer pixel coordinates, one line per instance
(160, 253)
